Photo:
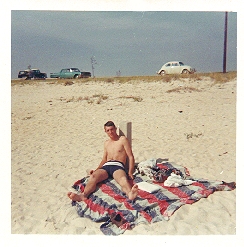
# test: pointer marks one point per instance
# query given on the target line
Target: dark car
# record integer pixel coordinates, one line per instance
(32, 73)
(23, 74)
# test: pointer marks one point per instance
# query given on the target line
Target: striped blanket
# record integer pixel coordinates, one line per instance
(109, 205)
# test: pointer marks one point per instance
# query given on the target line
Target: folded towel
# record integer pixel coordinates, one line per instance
(150, 188)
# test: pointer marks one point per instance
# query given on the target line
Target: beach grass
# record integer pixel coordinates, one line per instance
(216, 78)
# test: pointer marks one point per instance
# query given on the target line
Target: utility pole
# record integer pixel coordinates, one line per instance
(225, 42)
(93, 62)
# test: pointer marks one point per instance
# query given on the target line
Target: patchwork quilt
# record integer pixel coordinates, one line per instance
(110, 206)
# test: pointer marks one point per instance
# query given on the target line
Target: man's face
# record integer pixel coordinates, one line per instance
(110, 130)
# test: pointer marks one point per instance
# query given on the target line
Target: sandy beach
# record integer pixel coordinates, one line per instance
(57, 134)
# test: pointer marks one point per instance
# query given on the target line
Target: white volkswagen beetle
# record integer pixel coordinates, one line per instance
(175, 67)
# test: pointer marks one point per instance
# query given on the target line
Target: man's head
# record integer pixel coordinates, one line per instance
(110, 129)
(109, 123)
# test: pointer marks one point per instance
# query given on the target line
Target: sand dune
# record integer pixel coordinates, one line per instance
(57, 134)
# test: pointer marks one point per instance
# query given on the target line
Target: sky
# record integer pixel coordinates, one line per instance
(132, 42)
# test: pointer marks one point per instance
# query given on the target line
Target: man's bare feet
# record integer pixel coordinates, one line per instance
(133, 193)
(75, 197)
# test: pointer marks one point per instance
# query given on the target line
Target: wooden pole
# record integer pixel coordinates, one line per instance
(225, 42)
(125, 129)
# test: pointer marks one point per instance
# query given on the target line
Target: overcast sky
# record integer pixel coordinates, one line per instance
(134, 42)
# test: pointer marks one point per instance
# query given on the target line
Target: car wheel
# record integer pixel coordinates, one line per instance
(162, 73)
(185, 71)
(76, 76)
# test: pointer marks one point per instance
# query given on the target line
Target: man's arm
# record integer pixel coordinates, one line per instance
(130, 156)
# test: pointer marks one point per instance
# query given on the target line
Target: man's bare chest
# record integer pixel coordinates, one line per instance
(115, 148)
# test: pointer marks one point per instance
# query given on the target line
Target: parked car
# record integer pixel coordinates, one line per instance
(70, 73)
(32, 73)
(176, 67)
(23, 74)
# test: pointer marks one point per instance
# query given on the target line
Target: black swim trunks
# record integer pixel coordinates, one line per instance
(111, 166)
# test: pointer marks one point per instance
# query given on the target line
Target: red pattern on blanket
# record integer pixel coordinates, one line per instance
(108, 204)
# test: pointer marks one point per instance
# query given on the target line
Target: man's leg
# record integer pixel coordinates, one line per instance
(121, 178)
(95, 178)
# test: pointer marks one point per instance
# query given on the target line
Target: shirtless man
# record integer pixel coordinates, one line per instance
(116, 149)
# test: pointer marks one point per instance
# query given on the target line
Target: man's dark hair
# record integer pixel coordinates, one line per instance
(109, 123)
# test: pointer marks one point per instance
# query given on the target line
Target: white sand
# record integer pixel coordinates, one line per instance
(54, 142)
